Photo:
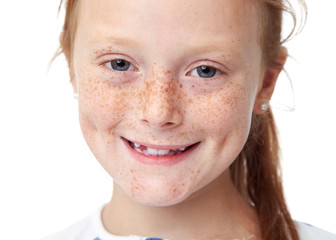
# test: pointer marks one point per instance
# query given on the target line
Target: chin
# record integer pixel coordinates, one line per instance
(154, 197)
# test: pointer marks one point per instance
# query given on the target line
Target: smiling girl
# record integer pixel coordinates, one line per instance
(173, 102)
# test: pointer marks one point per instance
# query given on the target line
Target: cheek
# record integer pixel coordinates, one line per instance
(224, 120)
(225, 111)
(100, 104)
(102, 107)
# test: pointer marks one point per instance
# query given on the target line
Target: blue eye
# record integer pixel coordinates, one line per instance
(204, 72)
(120, 65)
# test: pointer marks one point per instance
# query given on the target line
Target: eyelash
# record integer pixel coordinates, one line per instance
(114, 64)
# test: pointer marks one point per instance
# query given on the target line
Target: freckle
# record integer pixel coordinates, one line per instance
(190, 100)
(181, 85)
(108, 142)
(193, 86)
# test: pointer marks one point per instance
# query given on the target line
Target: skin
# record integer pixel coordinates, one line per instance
(162, 101)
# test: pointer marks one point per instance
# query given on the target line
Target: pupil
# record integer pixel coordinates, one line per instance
(206, 72)
(205, 69)
(121, 63)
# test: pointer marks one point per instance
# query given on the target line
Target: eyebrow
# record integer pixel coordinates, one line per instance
(204, 48)
(192, 49)
(118, 41)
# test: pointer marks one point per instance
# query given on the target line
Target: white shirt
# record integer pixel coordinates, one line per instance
(91, 228)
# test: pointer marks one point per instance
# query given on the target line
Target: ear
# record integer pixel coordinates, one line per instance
(268, 83)
(66, 51)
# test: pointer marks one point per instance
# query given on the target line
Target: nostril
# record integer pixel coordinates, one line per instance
(145, 121)
(168, 124)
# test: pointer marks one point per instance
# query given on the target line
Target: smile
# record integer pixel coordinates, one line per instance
(159, 154)
(148, 151)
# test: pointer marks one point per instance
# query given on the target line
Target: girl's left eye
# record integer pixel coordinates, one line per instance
(204, 72)
(120, 65)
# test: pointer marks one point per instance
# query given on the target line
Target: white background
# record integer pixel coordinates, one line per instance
(48, 177)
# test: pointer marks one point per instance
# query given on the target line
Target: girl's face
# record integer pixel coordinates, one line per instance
(166, 90)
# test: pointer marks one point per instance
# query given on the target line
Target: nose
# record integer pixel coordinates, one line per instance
(161, 108)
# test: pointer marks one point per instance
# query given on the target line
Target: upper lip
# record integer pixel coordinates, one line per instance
(161, 147)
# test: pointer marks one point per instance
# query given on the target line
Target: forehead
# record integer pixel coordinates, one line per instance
(163, 22)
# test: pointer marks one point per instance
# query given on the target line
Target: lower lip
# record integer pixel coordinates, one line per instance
(164, 161)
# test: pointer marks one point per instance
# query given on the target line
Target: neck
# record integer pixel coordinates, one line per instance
(216, 211)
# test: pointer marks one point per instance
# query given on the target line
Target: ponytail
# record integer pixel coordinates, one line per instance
(256, 174)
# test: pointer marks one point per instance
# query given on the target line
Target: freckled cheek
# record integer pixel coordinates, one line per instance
(102, 103)
(224, 112)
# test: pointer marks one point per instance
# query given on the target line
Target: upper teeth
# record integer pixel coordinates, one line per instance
(157, 152)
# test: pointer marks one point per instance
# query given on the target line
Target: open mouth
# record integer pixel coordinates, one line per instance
(159, 152)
